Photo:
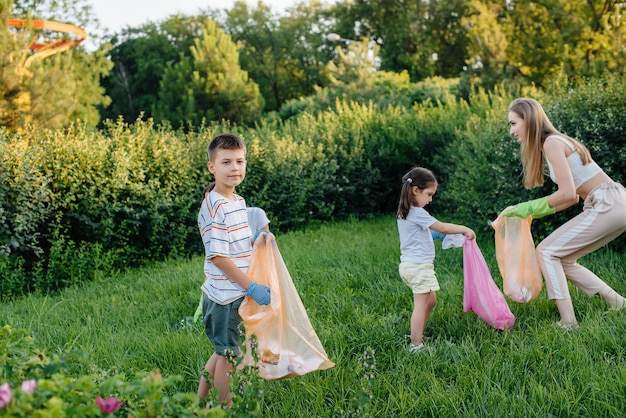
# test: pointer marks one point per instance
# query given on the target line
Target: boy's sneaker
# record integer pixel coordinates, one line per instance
(416, 348)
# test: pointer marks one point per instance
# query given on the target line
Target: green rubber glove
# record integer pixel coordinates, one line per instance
(538, 208)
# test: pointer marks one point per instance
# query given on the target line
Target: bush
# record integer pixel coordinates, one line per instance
(24, 191)
(130, 194)
(32, 384)
(380, 89)
(124, 196)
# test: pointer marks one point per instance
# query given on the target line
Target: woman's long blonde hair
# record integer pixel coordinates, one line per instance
(538, 128)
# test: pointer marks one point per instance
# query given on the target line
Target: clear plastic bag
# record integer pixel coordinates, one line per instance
(517, 261)
(287, 345)
(480, 293)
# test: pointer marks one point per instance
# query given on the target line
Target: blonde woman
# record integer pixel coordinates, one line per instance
(577, 176)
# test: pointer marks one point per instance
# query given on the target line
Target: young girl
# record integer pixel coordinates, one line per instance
(417, 248)
(576, 175)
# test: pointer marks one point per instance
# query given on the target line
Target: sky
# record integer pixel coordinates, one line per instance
(116, 14)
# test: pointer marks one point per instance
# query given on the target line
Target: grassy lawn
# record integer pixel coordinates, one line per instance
(346, 274)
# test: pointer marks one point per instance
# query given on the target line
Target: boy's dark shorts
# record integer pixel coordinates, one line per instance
(221, 325)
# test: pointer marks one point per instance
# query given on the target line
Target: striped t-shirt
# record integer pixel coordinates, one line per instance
(223, 225)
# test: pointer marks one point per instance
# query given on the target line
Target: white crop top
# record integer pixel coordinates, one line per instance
(580, 172)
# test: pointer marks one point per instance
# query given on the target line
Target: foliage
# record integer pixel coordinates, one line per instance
(355, 78)
(210, 85)
(36, 385)
(71, 197)
(23, 191)
(140, 56)
(486, 42)
(587, 38)
(285, 55)
(130, 194)
(581, 38)
(412, 34)
(356, 153)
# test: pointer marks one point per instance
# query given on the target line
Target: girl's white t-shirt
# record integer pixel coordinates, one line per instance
(416, 242)
(257, 219)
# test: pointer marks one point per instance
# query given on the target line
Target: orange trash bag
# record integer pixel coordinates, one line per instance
(517, 261)
(287, 345)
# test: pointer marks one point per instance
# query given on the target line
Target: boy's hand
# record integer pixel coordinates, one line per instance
(260, 293)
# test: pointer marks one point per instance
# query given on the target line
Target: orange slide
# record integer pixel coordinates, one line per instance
(43, 50)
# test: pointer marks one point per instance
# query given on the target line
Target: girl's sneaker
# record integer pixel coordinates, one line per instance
(568, 327)
(416, 348)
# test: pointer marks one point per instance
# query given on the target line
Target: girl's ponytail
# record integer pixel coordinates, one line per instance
(419, 177)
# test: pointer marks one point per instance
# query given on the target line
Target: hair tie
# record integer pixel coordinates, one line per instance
(409, 180)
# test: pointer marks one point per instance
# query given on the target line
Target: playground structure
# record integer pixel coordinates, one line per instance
(42, 50)
(16, 111)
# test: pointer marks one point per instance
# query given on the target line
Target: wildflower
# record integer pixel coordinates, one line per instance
(29, 386)
(109, 405)
(5, 395)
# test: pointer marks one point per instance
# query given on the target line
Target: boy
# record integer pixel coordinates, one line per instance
(258, 221)
(223, 224)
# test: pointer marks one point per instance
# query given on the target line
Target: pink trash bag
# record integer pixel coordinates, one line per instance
(515, 252)
(287, 345)
(480, 293)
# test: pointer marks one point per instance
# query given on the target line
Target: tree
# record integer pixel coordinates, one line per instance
(285, 55)
(354, 78)
(140, 56)
(423, 37)
(586, 37)
(488, 43)
(14, 98)
(528, 41)
(209, 85)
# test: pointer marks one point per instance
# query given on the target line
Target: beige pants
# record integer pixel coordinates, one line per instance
(603, 219)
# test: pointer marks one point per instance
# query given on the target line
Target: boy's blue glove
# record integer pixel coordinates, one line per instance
(259, 232)
(260, 293)
(268, 235)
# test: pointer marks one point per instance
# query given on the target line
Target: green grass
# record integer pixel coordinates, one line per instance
(346, 274)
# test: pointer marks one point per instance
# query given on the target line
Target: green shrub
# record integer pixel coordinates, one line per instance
(32, 384)
(24, 192)
(380, 89)
(130, 193)
(125, 195)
